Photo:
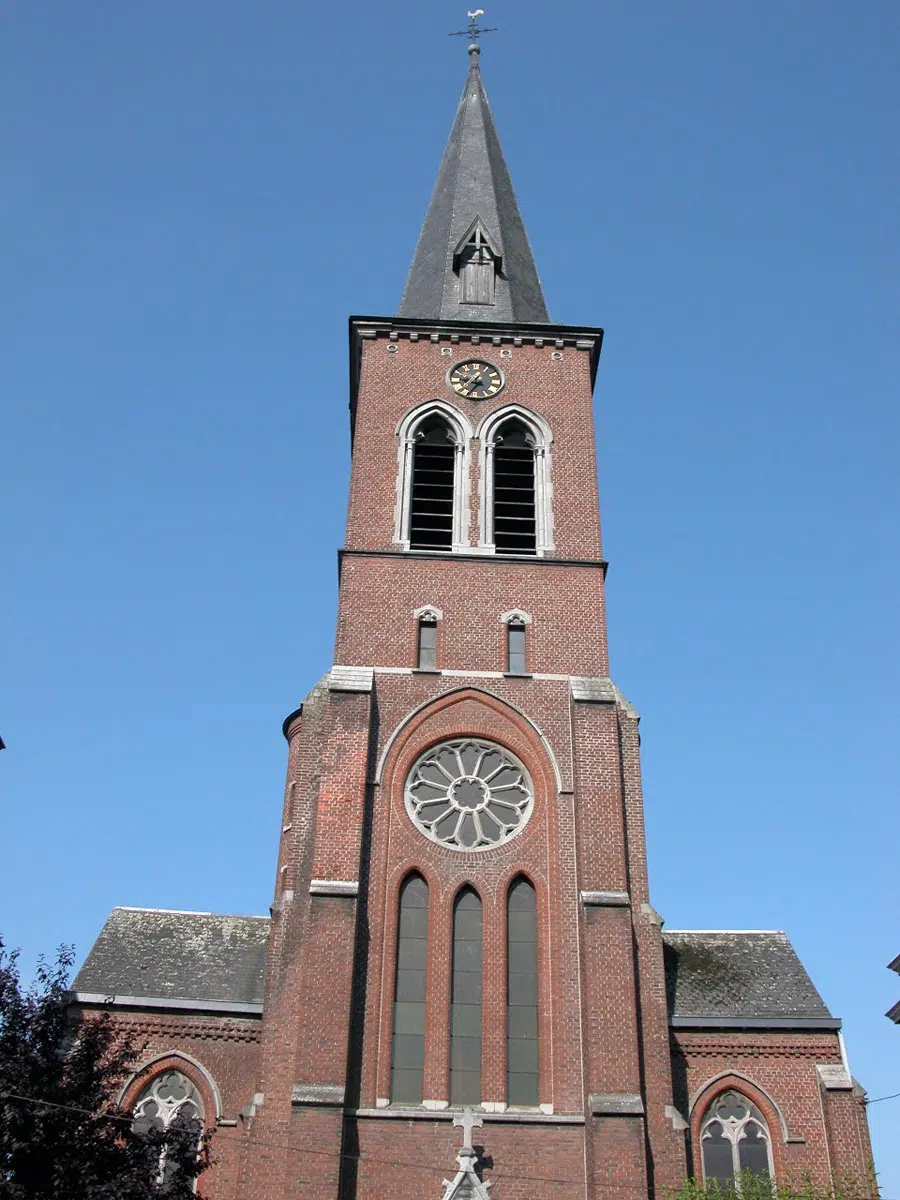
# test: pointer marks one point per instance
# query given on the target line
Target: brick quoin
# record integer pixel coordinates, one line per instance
(629, 1059)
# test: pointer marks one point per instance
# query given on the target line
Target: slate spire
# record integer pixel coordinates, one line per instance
(473, 261)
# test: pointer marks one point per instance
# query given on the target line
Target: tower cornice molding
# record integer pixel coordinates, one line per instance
(483, 334)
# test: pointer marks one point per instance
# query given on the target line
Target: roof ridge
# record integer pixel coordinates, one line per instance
(781, 931)
(190, 912)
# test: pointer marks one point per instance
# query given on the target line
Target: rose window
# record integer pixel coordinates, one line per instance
(469, 794)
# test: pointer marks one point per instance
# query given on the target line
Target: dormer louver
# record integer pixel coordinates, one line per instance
(476, 260)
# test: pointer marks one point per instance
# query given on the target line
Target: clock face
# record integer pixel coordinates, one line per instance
(475, 379)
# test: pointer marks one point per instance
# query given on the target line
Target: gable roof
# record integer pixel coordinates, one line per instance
(473, 183)
(158, 958)
(751, 977)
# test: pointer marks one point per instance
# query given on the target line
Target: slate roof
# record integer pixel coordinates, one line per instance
(753, 975)
(473, 181)
(177, 956)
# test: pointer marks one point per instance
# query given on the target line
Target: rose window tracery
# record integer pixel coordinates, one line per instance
(469, 794)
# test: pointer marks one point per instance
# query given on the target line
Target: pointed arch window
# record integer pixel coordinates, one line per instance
(465, 1000)
(169, 1101)
(431, 504)
(734, 1140)
(408, 1041)
(516, 509)
(432, 481)
(521, 995)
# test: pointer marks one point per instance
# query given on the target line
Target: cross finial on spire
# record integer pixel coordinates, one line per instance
(474, 32)
(468, 1121)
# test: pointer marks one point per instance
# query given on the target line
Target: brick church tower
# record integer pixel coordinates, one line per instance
(463, 983)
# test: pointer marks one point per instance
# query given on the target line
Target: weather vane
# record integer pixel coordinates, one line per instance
(474, 32)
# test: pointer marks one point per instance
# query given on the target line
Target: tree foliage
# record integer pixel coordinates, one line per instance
(760, 1187)
(62, 1136)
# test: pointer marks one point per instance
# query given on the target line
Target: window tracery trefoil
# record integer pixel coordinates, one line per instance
(469, 794)
(734, 1140)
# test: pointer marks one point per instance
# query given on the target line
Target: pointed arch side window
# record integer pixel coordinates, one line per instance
(515, 525)
(735, 1140)
(432, 479)
(476, 261)
(168, 1102)
(431, 503)
(408, 1040)
(465, 1000)
(516, 490)
(521, 995)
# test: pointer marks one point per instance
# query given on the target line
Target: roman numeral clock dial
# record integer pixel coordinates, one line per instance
(475, 379)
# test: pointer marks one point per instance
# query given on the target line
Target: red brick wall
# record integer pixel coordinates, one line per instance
(777, 1071)
(393, 383)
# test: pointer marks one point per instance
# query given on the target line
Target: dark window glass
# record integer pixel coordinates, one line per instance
(465, 1000)
(521, 995)
(515, 645)
(717, 1162)
(514, 511)
(427, 644)
(408, 1042)
(431, 502)
(753, 1151)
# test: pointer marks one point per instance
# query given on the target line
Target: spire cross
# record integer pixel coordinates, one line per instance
(468, 1121)
(474, 32)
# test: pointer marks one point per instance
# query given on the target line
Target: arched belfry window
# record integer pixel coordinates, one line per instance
(516, 495)
(432, 480)
(521, 995)
(408, 1041)
(734, 1140)
(465, 1000)
(515, 527)
(476, 261)
(431, 503)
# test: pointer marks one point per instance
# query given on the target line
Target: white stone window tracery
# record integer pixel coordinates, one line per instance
(469, 794)
(734, 1140)
(168, 1100)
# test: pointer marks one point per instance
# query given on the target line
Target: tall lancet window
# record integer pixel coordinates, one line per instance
(465, 1000)
(515, 527)
(521, 995)
(433, 477)
(408, 1043)
(477, 262)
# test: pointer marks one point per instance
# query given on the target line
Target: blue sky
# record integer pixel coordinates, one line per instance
(196, 197)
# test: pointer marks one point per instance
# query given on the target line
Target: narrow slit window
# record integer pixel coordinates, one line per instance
(515, 648)
(408, 1041)
(465, 1001)
(427, 657)
(431, 502)
(515, 525)
(521, 995)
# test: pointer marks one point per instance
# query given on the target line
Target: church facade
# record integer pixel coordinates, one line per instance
(462, 984)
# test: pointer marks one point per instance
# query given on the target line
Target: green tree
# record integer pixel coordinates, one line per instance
(62, 1136)
(760, 1187)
